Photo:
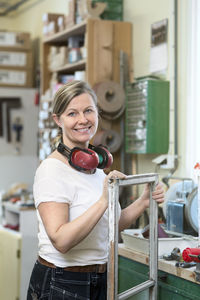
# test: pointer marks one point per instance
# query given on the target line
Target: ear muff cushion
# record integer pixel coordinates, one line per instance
(84, 159)
(105, 157)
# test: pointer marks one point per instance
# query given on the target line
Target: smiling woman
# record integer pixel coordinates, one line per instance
(72, 204)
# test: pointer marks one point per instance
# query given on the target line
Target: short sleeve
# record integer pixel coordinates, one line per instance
(49, 189)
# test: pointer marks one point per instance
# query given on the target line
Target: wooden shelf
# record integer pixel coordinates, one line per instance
(61, 37)
(72, 67)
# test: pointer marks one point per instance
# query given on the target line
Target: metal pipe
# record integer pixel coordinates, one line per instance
(135, 290)
(175, 77)
(138, 179)
(153, 244)
(112, 287)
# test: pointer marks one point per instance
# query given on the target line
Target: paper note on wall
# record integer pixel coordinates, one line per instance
(158, 52)
(158, 58)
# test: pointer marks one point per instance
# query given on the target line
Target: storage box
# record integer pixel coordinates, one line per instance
(50, 23)
(70, 18)
(16, 78)
(16, 58)
(15, 40)
(49, 17)
(133, 239)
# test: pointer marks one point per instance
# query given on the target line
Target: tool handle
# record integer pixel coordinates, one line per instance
(191, 254)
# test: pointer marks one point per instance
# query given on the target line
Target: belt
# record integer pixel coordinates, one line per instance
(88, 268)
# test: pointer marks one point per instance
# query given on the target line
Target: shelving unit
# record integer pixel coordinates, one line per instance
(18, 251)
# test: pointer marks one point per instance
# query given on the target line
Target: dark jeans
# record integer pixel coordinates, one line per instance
(56, 284)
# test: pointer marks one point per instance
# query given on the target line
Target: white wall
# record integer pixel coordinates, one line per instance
(20, 167)
(142, 14)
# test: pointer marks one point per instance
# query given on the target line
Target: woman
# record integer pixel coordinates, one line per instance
(72, 207)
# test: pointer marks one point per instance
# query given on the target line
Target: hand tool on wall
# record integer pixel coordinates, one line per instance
(10, 103)
(17, 128)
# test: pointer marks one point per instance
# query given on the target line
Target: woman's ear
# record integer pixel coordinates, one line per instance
(56, 119)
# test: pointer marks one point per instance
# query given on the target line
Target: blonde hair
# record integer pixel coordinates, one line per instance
(64, 96)
(67, 92)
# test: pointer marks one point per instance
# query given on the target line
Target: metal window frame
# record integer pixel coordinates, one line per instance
(112, 279)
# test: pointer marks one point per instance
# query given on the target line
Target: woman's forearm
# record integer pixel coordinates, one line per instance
(130, 214)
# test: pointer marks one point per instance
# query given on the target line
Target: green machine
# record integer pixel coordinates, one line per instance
(147, 116)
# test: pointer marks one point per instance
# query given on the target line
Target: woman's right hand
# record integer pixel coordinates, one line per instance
(112, 175)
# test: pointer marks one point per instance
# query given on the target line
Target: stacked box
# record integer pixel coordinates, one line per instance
(16, 61)
(70, 18)
(52, 23)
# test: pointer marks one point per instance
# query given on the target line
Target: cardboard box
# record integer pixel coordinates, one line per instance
(58, 56)
(49, 17)
(50, 23)
(16, 77)
(15, 40)
(16, 58)
(70, 18)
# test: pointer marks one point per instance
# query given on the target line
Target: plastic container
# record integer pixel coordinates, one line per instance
(134, 240)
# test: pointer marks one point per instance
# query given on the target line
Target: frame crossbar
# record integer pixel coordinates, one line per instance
(112, 280)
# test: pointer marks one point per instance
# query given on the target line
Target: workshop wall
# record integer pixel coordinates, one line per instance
(142, 14)
(29, 17)
(18, 160)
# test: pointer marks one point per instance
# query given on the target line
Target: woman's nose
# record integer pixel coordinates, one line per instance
(82, 118)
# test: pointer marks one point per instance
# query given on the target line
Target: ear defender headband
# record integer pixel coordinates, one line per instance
(87, 159)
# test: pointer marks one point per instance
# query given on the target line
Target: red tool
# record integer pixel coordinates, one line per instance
(191, 254)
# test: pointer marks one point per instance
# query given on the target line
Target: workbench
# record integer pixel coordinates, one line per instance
(174, 283)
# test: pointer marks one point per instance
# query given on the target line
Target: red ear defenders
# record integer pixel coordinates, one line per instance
(87, 159)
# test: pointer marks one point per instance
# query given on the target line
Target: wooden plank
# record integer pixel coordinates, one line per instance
(100, 51)
(122, 42)
(46, 74)
(60, 37)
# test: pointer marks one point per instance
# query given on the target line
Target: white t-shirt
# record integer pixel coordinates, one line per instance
(58, 182)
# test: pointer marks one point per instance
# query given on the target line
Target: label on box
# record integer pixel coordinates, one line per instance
(12, 59)
(7, 39)
(12, 77)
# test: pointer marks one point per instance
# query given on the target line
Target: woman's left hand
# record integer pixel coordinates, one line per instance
(158, 194)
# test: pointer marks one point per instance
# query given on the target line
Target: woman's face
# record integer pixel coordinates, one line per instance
(79, 121)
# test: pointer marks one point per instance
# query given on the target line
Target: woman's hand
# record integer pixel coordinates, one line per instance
(158, 194)
(112, 175)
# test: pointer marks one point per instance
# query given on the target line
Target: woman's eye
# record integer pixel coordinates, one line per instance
(89, 110)
(71, 114)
